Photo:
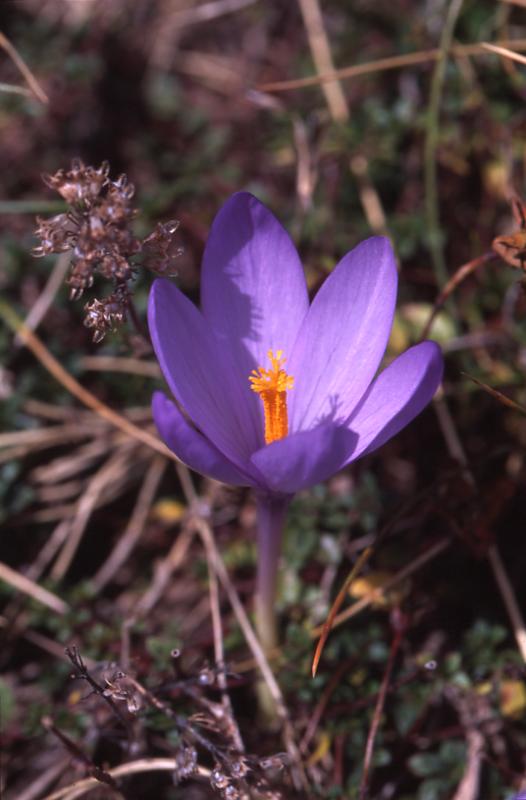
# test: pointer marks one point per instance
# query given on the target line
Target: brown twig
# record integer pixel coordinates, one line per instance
(459, 276)
(340, 597)
(380, 702)
(506, 401)
(315, 717)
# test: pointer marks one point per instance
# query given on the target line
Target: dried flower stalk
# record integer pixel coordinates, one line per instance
(97, 228)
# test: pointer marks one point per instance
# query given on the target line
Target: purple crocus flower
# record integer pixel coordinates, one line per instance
(272, 391)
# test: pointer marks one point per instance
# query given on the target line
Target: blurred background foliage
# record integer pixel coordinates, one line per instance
(172, 93)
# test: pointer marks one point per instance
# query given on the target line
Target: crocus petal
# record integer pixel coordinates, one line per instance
(343, 337)
(396, 397)
(200, 374)
(305, 458)
(253, 291)
(191, 446)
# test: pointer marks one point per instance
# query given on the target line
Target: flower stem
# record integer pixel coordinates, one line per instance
(271, 513)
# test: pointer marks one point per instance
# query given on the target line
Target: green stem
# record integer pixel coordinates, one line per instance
(271, 513)
(431, 142)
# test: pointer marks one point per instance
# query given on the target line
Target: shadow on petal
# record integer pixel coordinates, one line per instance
(192, 447)
(305, 458)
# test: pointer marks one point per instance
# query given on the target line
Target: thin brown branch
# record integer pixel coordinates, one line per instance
(459, 276)
(340, 597)
(380, 702)
(391, 62)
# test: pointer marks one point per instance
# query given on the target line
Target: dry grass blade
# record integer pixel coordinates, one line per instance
(219, 650)
(504, 51)
(23, 69)
(135, 526)
(134, 366)
(11, 88)
(163, 572)
(40, 308)
(107, 475)
(44, 437)
(79, 788)
(510, 601)
(47, 778)
(339, 111)
(67, 466)
(327, 625)
(38, 348)
(23, 584)
(207, 11)
(383, 64)
(298, 772)
(321, 53)
(379, 592)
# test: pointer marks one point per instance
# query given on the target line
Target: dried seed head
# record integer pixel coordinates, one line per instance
(56, 235)
(218, 779)
(276, 762)
(80, 184)
(231, 792)
(206, 677)
(80, 278)
(239, 768)
(104, 315)
(120, 688)
(98, 230)
(160, 248)
(185, 763)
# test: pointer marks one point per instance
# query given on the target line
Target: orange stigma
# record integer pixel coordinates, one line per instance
(272, 385)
